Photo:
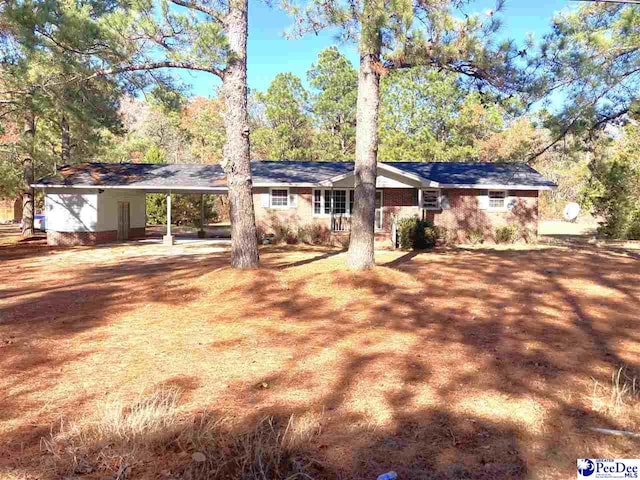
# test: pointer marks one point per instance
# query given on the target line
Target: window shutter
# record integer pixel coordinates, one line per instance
(511, 200)
(264, 200)
(483, 200)
(293, 198)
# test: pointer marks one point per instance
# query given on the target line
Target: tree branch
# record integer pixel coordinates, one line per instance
(200, 8)
(156, 66)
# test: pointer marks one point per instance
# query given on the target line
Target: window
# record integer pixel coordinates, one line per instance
(327, 202)
(279, 198)
(431, 199)
(497, 199)
(317, 202)
(340, 201)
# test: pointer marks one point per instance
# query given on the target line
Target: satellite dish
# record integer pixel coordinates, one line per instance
(571, 211)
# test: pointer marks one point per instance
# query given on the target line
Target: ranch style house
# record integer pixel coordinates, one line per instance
(95, 203)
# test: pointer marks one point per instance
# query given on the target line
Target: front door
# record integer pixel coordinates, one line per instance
(123, 221)
(378, 209)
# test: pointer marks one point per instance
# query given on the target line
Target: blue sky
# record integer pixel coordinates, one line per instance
(270, 53)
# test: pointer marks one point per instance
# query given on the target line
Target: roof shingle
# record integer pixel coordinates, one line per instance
(193, 176)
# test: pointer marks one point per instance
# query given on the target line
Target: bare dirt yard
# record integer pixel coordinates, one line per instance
(146, 361)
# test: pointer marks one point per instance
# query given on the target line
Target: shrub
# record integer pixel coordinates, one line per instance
(314, 234)
(291, 238)
(475, 236)
(412, 233)
(431, 235)
(527, 234)
(443, 236)
(507, 234)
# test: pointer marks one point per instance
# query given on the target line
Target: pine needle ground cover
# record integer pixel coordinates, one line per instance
(139, 361)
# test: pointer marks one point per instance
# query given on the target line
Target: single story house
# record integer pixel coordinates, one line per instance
(102, 202)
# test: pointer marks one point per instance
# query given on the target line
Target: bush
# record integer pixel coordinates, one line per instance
(431, 235)
(527, 234)
(507, 234)
(476, 236)
(314, 234)
(443, 236)
(417, 234)
(281, 232)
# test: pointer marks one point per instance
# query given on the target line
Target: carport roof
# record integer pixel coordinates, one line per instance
(146, 176)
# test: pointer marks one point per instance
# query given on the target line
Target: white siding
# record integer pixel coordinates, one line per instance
(385, 180)
(71, 210)
(108, 208)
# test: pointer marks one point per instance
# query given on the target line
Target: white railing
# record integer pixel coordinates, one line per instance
(340, 223)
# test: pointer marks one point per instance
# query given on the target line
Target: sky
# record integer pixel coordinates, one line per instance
(270, 53)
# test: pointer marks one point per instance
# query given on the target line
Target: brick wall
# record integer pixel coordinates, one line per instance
(138, 232)
(464, 214)
(267, 219)
(69, 239)
(399, 197)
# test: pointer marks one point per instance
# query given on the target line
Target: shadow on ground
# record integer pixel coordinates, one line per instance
(450, 364)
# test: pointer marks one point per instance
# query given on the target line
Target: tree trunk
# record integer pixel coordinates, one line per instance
(360, 256)
(236, 161)
(28, 135)
(65, 154)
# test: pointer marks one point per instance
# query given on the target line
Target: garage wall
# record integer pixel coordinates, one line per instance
(71, 210)
(108, 208)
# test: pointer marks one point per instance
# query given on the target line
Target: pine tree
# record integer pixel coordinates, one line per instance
(389, 37)
(135, 42)
(334, 105)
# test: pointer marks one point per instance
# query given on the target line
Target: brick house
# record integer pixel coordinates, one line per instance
(99, 202)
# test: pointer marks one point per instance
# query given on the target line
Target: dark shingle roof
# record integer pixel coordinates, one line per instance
(165, 176)
(297, 172)
(458, 173)
(137, 175)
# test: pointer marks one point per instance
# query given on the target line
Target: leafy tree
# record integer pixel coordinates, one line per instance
(334, 105)
(289, 134)
(202, 119)
(154, 155)
(617, 177)
(185, 209)
(388, 38)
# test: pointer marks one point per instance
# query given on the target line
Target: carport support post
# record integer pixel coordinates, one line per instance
(201, 231)
(168, 238)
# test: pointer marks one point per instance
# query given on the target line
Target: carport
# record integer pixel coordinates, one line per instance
(95, 203)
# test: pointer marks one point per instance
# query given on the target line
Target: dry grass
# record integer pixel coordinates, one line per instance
(444, 365)
(122, 441)
(620, 398)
